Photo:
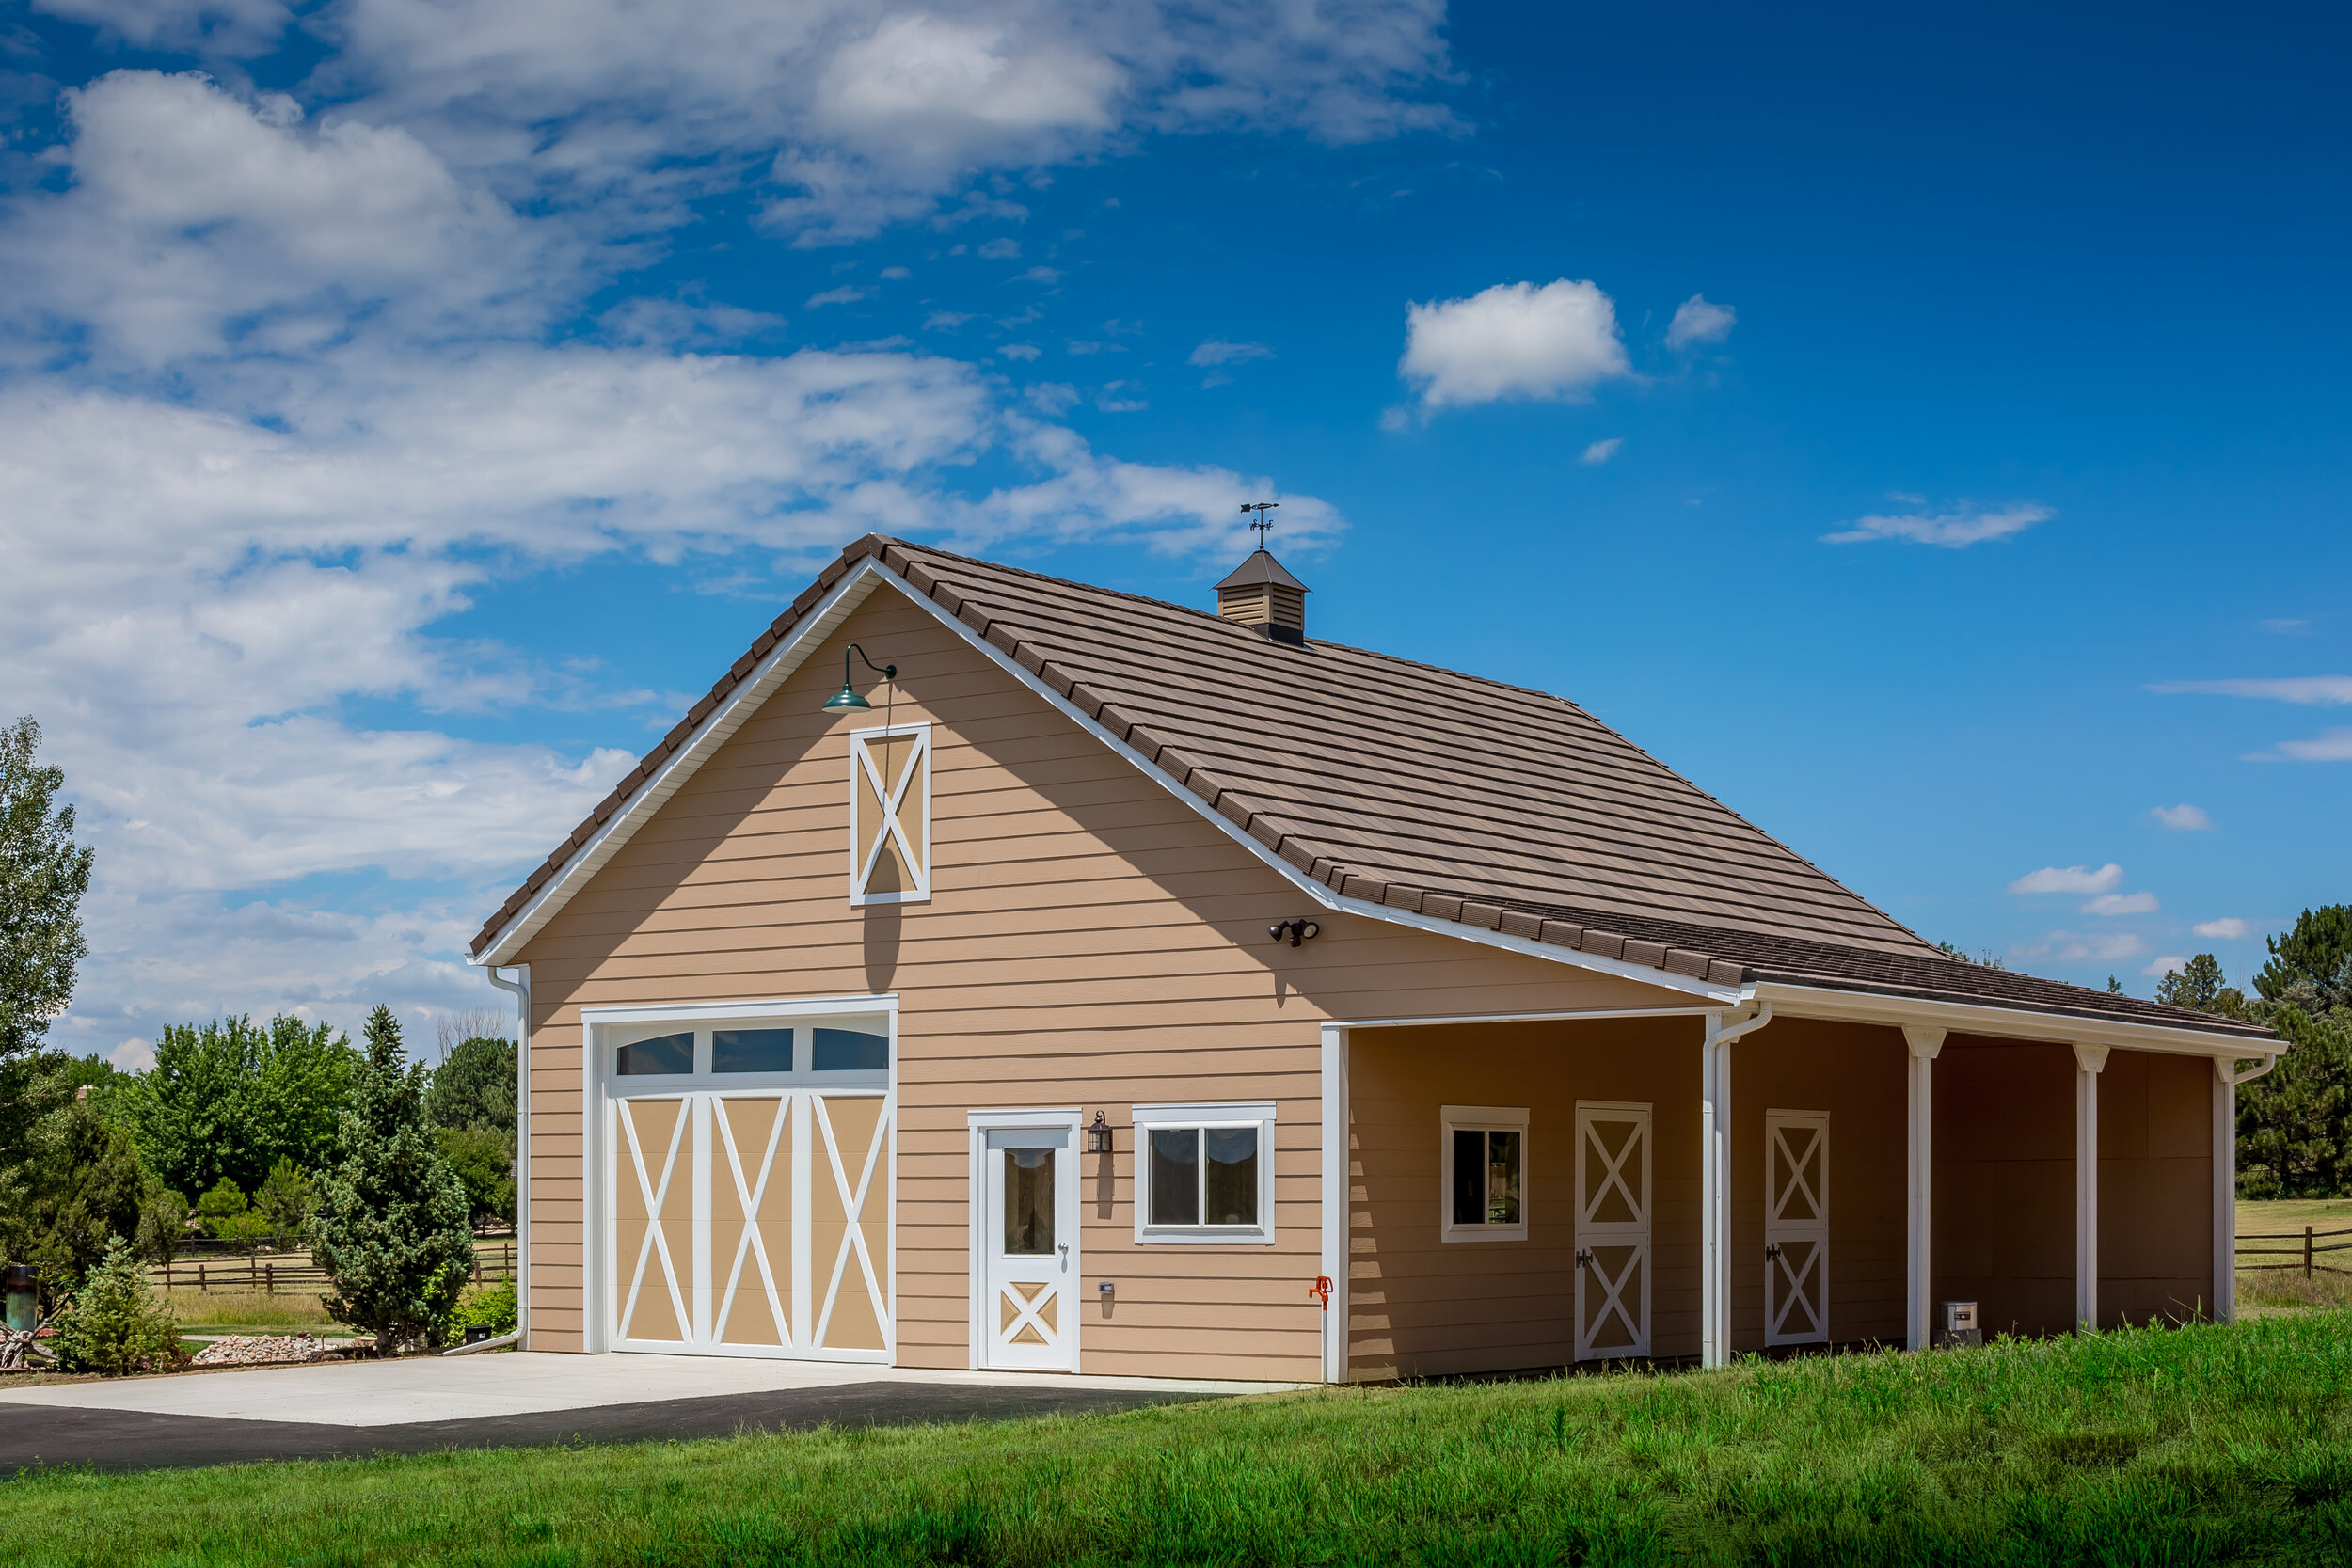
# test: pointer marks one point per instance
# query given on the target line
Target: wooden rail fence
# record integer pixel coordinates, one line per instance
(2303, 1254)
(293, 1272)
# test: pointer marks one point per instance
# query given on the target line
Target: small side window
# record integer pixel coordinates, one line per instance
(1485, 1194)
(1205, 1173)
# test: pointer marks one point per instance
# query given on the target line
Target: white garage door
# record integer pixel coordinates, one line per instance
(748, 1168)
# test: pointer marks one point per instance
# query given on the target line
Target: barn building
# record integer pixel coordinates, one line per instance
(997, 971)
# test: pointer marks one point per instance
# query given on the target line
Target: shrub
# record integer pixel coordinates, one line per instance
(286, 1197)
(116, 1322)
(490, 1307)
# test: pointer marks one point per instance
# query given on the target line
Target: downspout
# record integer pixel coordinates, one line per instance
(521, 986)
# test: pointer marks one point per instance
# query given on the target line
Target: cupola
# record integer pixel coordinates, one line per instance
(1260, 595)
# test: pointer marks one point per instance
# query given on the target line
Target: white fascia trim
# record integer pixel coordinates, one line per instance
(2007, 1023)
(787, 1007)
(1003, 1121)
(718, 727)
(1572, 1016)
(1323, 896)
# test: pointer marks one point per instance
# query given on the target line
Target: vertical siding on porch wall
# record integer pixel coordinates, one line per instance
(1091, 942)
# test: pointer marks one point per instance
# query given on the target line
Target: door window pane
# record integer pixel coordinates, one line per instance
(668, 1054)
(1470, 1170)
(1503, 1179)
(1176, 1175)
(1233, 1176)
(851, 1051)
(1028, 1201)
(751, 1050)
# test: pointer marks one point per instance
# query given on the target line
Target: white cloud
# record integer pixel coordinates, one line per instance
(1697, 322)
(2075, 947)
(2171, 963)
(2310, 690)
(1955, 529)
(2183, 818)
(2069, 879)
(1512, 340)
(2328, 746)
(133, 1055)
(1019, 351)
(2122, 903)
(895, 274)
(2228, 929)
(195, 224)
(1000, 251)
(863, 116)
(2286, 627)
(1600, 451)
(1216, 351)
(1040, 274)
(845, 295)
(313, 406)
(946, 321)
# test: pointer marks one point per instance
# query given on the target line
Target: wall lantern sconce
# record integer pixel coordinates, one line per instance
(1099, 1135)
(846, 700)
(1298, 930)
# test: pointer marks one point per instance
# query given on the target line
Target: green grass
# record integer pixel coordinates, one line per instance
(252, 1312)
(2160, 1446)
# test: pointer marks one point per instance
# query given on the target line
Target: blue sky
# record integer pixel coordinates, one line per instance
(403, 417)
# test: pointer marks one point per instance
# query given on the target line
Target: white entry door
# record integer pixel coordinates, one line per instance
(1029, 1249)
(1796, 1228)
(1613, 1229)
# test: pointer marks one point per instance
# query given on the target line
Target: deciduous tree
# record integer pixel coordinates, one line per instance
(43, 876)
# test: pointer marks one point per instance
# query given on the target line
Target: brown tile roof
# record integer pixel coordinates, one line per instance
(1451, 795)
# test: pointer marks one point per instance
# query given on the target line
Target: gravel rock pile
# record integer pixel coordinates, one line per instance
(253, 1350)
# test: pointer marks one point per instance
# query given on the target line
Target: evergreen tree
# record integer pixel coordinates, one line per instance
(2293, 1124)
(75, 1183)
(2311, 966)
(2201, 986)
(43, 876)
(116, 1324)
(392, 1227)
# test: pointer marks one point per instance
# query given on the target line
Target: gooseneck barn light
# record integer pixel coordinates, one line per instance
(846, 700)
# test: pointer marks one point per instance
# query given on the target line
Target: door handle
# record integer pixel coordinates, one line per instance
(1583, 1257)
(1772, 1251)
(1064, 1249)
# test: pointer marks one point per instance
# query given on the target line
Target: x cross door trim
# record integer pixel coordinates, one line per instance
(655, 1241)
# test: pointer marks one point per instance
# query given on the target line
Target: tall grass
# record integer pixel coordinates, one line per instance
(2202, 1444)
(238, 1312)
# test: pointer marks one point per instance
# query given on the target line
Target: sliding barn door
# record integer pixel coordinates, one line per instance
(1613, 1229)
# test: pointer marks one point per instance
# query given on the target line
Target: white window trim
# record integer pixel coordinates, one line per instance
(860, 849)
(1479, 1119)
(1260, 1114)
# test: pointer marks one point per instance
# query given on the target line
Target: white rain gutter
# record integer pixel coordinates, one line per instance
(521, 986)
(499, 1344)
(1963, 1018)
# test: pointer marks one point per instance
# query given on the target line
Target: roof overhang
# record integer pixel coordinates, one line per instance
(870, 572)
(812, 629)
(1970, 1017)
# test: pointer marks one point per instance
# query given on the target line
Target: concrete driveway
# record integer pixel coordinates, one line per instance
(517, 1399)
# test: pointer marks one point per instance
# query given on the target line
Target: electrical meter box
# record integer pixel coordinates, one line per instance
(1960, 1325)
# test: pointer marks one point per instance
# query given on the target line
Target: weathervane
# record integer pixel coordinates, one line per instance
(1264, 524)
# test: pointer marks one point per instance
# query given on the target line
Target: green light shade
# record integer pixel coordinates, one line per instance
(846, 700)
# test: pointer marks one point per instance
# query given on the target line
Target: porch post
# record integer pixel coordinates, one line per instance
(1925, 1042)
(1715, 1195)
(2088, 1060)
(2224, 1189)
(1336, 1196)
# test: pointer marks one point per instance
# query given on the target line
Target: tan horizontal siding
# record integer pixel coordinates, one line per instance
(1091, 942)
